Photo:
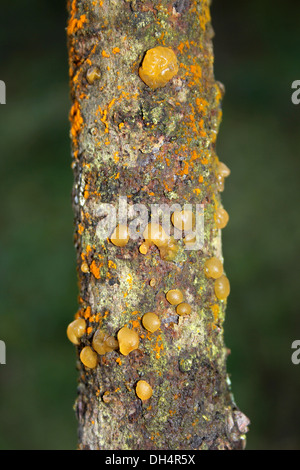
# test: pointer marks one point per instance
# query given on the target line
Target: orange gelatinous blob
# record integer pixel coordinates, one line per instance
(154, 233)
(88, 357)
(223, 170)
(222, 287)
(213, 268)
(174, 296)
(128, 340)
(143, 390)
(221, 218)
(158, 67)
(76, 330)
(93, 74)
(183, 309)
(120, 235)
(151, 322)
(103, 343)
(183, 220)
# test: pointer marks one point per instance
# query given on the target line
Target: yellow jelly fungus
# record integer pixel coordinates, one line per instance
(93, 74)
(223, 170)
(221, 218)
(128, 340)
(190, 239)
(152, 282)
(183, 309)
(120, 236)
(159, 67)
(143, 390)
(151, 322)
(143, 249)
(169, 251)
(103, 343)
(76, 330)
(220, 183)
(183, 220)
(222, 287)
(88, 357)
(154, 233)
(174, 296)
(85, 267)
(213, 268)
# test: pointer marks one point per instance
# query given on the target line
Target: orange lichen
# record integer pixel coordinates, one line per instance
(95, 270)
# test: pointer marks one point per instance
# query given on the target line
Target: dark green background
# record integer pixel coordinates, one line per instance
(257, 47)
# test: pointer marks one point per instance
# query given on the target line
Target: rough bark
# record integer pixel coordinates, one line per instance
(153, 147)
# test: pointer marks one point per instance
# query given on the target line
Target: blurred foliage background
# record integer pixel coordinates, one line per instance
(257, 47)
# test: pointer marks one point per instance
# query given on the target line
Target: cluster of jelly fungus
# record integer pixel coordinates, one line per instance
(128, 340)
(159, 66)
(76, 330)
(183, 309)
(151, 322)
(143, 390)
(222, 287)
(213, 268)
(222, 173)
(103, 343)
(174, 296)
(89, 357)
(183, 220)
(93, 74)
(120, 235)
(221, 218)
(154, 233)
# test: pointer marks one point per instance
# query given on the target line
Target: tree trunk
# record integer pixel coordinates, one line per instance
(152, 146)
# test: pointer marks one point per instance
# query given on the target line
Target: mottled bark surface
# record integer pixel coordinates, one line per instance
(153, 147)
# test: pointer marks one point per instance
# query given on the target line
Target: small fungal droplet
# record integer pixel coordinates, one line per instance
(76, 330)
(120, 236)
(93, 74)
(128, 340)
(183, 309)
(143, 390)
(151, 322)
(159, 67)
(152, 282)
(174, 296)
(85, 267)
(222, 287)
(183, 220)
(88, 357)
(143, 249)
(213, 268)
(221, 218)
